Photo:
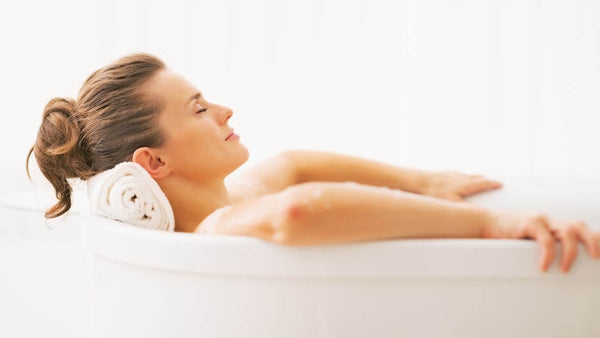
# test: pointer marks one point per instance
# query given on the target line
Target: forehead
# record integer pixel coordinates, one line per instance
(172, 88)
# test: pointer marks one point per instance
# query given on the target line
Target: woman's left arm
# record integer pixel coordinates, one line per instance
(333, 167)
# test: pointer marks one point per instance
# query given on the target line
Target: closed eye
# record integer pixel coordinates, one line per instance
(202, 109)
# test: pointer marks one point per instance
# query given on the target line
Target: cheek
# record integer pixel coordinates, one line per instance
(179, 143)
(197, 142)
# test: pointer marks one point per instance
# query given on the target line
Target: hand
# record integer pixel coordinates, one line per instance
(453, 185)
(547, 232)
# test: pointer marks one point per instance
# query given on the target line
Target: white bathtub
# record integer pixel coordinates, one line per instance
(45, 287)
(153, 284)
(122, 281)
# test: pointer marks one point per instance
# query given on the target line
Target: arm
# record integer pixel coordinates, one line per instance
(259, 217)
(332, 167)
(327, 213)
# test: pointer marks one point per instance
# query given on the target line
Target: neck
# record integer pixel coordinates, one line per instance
(193, 201)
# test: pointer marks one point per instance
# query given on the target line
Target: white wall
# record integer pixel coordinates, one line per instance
(482, 86)
(498, 87)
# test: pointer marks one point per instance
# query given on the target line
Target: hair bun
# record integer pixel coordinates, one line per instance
(59, 130)
(58, 151)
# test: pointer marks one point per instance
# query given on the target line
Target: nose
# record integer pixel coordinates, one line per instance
(225, 114)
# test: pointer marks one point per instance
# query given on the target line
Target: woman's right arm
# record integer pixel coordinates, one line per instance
(317, 213)
(326, 213)
(329, 212)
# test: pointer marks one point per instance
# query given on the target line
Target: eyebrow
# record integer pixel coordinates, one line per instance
(194, 97)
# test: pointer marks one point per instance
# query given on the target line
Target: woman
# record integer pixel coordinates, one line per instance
(135, 109)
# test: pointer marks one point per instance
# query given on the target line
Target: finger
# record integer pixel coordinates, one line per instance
(489, 181)
(482, 185)
(586, 236)
(483, 178)
(497, 184)
(539, 231)
(568, 238)
(493, 183)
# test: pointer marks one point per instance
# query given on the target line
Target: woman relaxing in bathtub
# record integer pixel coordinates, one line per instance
(135, 109)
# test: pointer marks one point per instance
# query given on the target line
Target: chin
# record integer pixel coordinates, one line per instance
(246, 155)
(240, 157)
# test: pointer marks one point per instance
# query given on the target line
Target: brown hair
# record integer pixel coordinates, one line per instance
(111, 118)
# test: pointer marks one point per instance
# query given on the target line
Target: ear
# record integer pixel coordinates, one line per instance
(150, 160)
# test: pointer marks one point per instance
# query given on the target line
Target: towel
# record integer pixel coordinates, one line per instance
(129, 194)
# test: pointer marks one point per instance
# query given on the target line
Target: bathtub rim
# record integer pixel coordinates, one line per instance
(395, 258)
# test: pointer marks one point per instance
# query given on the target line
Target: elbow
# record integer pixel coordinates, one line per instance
(284, 228)
(290, 217)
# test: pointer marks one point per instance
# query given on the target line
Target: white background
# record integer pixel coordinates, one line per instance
(481, 86)
(496, 87)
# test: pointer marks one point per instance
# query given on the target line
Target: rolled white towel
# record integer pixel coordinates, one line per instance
(129, 194)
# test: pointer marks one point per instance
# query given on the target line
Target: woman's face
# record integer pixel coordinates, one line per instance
(195, 131)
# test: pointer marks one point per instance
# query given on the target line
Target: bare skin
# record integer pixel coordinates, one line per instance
(307, 198)
(326, 213)
(338, 212)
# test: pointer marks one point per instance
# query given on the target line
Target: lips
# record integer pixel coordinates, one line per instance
(228, 136)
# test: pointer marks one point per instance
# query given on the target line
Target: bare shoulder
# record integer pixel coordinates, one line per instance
(256, 217)
(271, 175)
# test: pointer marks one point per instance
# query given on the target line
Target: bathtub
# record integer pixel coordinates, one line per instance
(45, 285)
(84, 276)
(147, 283)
